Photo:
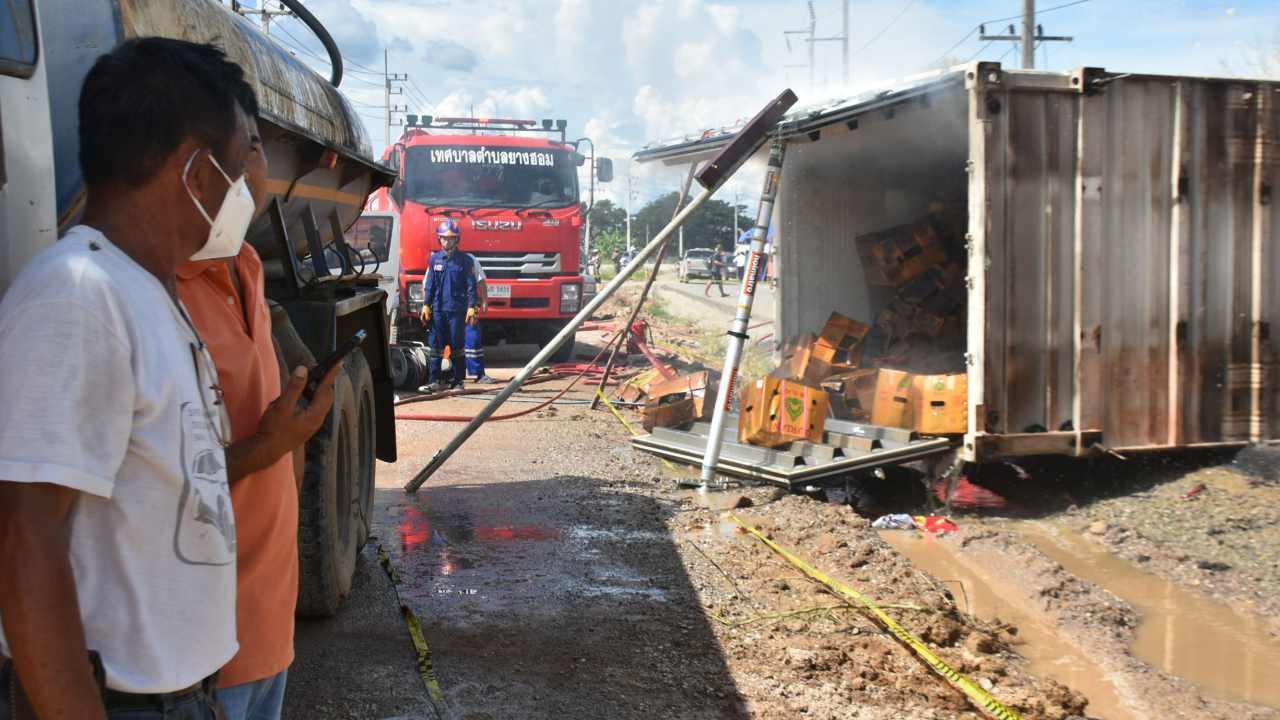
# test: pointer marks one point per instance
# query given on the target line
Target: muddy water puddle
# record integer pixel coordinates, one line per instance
(1038, 640)
(1226, 653)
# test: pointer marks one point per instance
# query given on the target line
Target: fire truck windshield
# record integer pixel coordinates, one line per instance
(478, 176)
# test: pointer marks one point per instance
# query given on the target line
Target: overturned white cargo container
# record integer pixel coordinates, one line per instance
(1123, 269)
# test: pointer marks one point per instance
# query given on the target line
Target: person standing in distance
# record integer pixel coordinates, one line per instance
(449, 303)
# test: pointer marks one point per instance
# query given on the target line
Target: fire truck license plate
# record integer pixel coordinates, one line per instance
(499, 291)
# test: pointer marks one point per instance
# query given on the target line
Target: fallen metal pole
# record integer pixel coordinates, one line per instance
(561, 337)
(742, 317)
(644, 294)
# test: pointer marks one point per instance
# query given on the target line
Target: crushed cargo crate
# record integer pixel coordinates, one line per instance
(838, 347)
(775, 412)
(671, 411)
(796, 353)
(697, 386)
(894, 256)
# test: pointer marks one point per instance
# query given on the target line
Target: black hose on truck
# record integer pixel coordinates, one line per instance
(318, 29)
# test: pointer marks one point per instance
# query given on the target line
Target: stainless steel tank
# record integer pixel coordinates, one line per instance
(318, 152)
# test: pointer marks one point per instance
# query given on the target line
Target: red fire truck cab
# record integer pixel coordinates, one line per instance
(515, 197)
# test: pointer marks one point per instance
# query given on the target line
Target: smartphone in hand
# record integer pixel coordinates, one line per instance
(322, 368)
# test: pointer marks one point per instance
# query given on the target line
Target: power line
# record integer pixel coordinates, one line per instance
(885, 29)
(980, 51)
(975, 28)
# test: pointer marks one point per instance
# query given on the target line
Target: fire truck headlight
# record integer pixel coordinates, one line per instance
(570, 297)
(415, 292)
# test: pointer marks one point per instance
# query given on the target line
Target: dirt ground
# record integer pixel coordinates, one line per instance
(558, 573)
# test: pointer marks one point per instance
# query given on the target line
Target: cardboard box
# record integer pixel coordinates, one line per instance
(857, 387)
(839, 346)
(940, 403)
(796, 353)
(892, 404)
(671, 411)
(639, 387)
(897, 255)
(774, 412)
(697, 386)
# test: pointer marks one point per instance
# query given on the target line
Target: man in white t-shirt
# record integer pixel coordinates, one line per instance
(116, 527)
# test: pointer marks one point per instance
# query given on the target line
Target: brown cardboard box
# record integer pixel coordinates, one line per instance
(796, 352)
(668, 412)
(695, 385)
(639, 387)
(774, 412)
(897, 255)
(857, 387)
(839, 345)
(892, 405)
(940, 403)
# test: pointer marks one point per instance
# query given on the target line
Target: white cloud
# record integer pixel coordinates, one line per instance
(627, 73)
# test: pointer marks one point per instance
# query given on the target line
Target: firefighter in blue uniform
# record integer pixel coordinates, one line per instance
(449, 304)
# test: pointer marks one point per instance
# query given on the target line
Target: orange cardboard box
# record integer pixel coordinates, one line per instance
(892, 405)
(796, 354)
(840, 344)
(899, 254)
(697, 386)
(667, 412)
(774, 412)
(940, 403)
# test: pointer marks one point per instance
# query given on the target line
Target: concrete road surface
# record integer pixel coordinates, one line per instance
(545, 589)
(689, 301)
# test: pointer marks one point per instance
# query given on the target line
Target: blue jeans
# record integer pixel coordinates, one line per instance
(257, 700)
(474, 347)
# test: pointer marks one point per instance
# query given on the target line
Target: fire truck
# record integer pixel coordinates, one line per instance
(512, 186)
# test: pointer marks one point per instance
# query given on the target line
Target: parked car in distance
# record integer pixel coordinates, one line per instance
(695, 263)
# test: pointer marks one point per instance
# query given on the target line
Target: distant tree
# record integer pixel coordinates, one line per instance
(605, 218)
(709, 226)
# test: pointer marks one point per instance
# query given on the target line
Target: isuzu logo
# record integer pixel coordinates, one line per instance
(497, 224)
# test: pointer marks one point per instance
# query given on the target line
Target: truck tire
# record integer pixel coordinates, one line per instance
(366, 429)
(327, 535)
(564, 353)
(399, 369)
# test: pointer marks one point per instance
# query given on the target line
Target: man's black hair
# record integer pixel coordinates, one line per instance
(146, 97)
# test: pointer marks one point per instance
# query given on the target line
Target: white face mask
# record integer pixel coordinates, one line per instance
(226, 231)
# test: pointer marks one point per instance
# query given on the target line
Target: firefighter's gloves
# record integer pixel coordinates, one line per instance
(472, 316)
(426, 314)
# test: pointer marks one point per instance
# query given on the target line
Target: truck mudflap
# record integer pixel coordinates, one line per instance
(848, 447)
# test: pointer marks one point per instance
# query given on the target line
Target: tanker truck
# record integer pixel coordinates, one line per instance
(321, 171)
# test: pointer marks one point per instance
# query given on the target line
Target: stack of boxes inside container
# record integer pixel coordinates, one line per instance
(903, 368)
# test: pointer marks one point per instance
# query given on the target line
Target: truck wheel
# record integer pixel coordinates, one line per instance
(565, 352)
(365, 427)
(399, 369)
(327, 534)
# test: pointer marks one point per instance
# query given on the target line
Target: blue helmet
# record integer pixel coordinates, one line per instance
(448, 227)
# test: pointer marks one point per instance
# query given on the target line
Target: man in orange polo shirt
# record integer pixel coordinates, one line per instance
(226, 302)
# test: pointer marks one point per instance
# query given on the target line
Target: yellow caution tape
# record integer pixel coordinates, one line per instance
(630, 428)
(425, 667)
(981, 697)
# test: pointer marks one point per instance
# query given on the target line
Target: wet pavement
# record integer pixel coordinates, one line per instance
(541, 592)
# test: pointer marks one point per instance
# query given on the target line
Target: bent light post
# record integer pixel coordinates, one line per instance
(712, 177)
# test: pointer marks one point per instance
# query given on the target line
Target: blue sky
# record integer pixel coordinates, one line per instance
(626, 73)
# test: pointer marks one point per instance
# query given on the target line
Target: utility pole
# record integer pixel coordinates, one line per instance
(628, 207)
(388, 79)
(734, 240)
(1031, 35)
(811, 32)
(1028, 30)
(264, 13)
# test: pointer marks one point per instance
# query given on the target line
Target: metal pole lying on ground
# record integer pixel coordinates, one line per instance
(713, 175)
(742, 318)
